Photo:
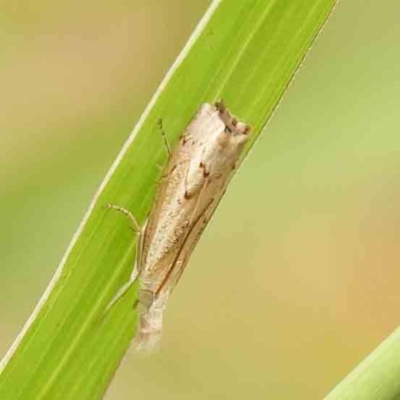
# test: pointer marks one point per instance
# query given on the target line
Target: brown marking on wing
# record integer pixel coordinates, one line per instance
(174, 263)
(198, 234)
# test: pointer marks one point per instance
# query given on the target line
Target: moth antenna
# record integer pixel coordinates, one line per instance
(164, 136)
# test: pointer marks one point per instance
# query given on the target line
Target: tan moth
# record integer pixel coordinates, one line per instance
(194, 180)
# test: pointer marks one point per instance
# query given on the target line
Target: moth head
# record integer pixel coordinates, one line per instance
(237, 130)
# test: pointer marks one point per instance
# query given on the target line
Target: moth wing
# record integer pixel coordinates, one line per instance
(175, 173)
(197, 227)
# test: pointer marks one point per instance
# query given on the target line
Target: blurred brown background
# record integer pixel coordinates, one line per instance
(296, 278)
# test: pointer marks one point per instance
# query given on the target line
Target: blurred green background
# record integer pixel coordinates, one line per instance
(296, 278)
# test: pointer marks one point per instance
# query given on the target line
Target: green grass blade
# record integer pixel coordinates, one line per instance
(244, 52)
(376, 378)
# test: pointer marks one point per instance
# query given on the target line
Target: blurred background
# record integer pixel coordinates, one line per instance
(301, 260)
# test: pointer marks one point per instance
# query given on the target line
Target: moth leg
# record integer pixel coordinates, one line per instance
(135, 272)
(145, 299)
(164, 136)
(161, 168)
(135, 225)
(122, 291)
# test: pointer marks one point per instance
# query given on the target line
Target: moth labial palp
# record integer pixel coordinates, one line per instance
(196, 176)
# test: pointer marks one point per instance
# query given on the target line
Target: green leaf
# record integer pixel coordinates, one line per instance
(376, 378)
(245, 52)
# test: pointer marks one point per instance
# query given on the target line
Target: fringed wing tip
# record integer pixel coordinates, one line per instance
(147, 342)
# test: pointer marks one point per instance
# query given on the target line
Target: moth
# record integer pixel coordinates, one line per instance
(195, 178)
